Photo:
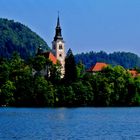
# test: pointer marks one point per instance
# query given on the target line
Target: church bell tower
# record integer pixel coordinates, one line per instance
(58, 47)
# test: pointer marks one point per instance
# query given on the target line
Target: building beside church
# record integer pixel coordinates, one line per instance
(98, 67)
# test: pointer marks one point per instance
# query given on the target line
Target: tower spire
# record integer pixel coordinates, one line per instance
(58, 35)
(58, 22)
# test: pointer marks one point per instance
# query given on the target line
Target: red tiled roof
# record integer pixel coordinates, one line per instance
(97, 67)
(50, 56)
(134, 73)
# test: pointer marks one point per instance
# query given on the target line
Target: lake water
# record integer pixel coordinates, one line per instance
(69, 123)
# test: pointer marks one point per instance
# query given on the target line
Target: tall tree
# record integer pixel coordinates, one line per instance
(70, 67)
(55, 73)
(7, 93)
(80, 69)
(39, 63)
(43, 92)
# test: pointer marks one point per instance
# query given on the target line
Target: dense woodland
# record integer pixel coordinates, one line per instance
(125, 59)
(15, 36)
(22, 84)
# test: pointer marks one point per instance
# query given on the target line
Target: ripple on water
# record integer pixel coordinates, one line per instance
(69, 124)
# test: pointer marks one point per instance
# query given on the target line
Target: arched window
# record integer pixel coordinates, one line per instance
(60, 47)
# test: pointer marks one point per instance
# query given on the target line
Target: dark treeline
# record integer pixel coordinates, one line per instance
(15, 36)
(126, 59)
(22, 84)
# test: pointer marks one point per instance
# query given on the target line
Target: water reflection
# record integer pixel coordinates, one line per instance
(58, 115)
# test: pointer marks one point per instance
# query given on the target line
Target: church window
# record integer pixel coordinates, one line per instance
(60, 47)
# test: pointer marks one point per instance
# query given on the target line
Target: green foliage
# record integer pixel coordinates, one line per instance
(70, 67)
(7, 93)
(15, 36)
(136, 94)
(65, 96)
(125, 59)
(39, 63)
(44, 92)
(136, 99)
(24, 87)
(4, 71)
(55, 73)
(19, 86)
(80, 69)
(83, 92)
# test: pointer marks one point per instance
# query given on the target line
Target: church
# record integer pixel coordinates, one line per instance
(58, 46)
(58, 50)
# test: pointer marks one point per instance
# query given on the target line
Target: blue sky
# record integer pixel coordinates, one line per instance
(87, 25)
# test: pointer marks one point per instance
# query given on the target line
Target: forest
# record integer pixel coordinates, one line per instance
(23, 85)
(126, 59)
(15, 36)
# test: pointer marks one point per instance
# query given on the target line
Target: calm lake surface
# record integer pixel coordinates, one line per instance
(70, 124)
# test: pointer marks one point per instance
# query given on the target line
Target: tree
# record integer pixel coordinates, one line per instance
(102, 89)
(24, 87)
(70, 67)
(80, 70)
(44, 92)
(125, 59)
(83, 93)
(4, 71)
(55, 73)
(20, 74)
(7, 93)
(136, 95)
(65, 95)
(39, 63)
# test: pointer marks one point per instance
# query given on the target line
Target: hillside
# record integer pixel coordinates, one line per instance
(15, 36)
(125, 59)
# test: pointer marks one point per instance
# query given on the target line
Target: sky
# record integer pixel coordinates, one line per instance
(87, 25)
